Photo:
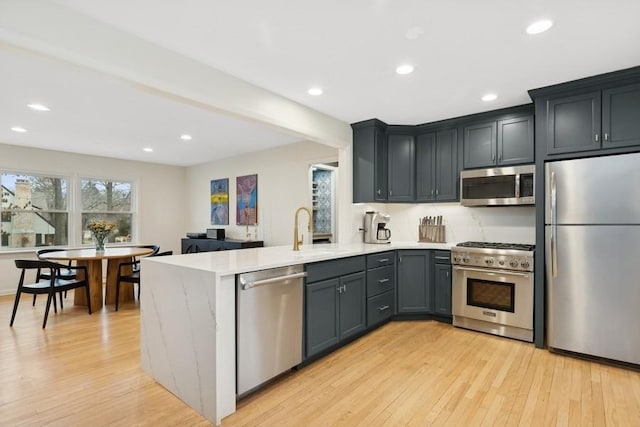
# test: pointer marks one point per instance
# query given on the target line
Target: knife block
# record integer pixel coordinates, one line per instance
(431, 233)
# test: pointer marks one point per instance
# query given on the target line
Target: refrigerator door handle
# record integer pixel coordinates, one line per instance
(554, 227)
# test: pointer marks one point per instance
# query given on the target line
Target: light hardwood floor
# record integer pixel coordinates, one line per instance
(84, 371)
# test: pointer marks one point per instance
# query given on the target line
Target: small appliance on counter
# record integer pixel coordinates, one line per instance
(375, 227)
(215, 233)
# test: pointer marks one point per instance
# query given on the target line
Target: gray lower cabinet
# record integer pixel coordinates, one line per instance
(442, 282)
(381, 286)
(414, 281)
(335, 302)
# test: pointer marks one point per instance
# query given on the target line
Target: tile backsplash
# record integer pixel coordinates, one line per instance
(509, 224)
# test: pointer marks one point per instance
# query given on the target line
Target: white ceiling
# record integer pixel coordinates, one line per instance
(349, 48)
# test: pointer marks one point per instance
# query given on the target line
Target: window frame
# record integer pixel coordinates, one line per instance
(69, 211)
(74, 208)
(133, 212)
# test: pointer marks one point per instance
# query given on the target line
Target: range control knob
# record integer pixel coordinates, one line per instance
(513, 263)
(457, 258)
(489, 261)
(465, 259)
(501, 262)
(524, 264)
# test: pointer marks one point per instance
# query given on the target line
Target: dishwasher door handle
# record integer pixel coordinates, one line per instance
(249, 285)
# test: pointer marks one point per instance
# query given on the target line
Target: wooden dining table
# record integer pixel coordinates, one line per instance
(92, 259)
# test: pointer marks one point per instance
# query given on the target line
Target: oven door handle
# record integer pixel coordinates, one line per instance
(490, 271)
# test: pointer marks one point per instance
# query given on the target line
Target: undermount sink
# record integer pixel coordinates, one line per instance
(310, 253)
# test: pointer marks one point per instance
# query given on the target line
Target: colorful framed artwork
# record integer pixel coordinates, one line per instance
(220, 201)
(247, 200)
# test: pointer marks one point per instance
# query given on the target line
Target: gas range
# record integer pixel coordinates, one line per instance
(504, 256)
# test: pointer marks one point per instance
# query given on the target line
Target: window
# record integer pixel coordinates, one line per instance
(34, 211)
(108, 200)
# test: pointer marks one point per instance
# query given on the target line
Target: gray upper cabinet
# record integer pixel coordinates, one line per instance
(589, 116)
(401, 167)
(515, 141)
(437, 166)
(369, 162)
(480, 145)
(502, 142)
(621, 116)
(574, 123)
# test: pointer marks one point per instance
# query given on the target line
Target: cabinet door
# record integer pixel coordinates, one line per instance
(369, 164)
(321, 315)
(380, 180)
(425, 167)
(446, 165)
(414, 289)
(573, 123)
(480, 145)
(515, 141)
(352, 317)
(442, 291)
(621, 116)
(401, 168)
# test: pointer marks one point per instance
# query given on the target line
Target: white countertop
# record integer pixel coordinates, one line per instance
(224, 263)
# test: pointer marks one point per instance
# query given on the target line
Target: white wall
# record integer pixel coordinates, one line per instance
(160, 198)
(283, 186)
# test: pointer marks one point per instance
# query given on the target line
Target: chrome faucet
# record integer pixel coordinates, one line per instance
(296, 242)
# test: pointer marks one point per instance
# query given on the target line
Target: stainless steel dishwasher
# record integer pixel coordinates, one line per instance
(268, 325)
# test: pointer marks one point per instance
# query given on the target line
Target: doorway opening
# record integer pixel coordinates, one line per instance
(323, 179)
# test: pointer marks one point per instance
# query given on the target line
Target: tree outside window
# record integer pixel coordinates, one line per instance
(34, 211)
(108, 200)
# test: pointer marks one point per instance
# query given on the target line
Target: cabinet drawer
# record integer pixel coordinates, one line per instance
(380, 308)
(442, 257)
(334, 268)
(380, 259)
(381, 279)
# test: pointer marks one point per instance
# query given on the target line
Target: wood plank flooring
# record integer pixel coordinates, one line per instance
(84, 371)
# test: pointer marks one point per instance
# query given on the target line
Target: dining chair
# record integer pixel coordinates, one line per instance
(55, 284)
(67, 274)
(129, 272)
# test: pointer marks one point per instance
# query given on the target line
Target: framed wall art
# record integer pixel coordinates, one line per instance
(220, 201)
(247, 200)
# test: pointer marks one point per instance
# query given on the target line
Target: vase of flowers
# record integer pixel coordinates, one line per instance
(100, 229)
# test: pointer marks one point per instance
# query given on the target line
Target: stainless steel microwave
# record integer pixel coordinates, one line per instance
(513, 185)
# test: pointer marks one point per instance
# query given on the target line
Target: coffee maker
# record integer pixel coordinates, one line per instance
(375, 227)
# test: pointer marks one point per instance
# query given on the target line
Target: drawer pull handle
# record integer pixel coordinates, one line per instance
(383, 307)
(381, 281)
(383, 260)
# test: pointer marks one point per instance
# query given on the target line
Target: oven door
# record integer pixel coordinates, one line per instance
(496, 296)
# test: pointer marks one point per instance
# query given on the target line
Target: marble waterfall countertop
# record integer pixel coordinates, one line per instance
(188, 316)
(224, 263)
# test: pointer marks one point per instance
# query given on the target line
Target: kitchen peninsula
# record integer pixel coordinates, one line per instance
(188, 318)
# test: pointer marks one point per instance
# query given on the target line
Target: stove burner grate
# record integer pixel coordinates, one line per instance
(495, 245)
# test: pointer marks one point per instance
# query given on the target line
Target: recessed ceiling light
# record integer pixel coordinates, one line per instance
(38, 107)
(18, 129)
(186, 137)
(315, 91)
(148, 149)
(489, 97)
(405, 69)
(539, 26)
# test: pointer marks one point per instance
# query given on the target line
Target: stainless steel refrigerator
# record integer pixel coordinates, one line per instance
(592, 256)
